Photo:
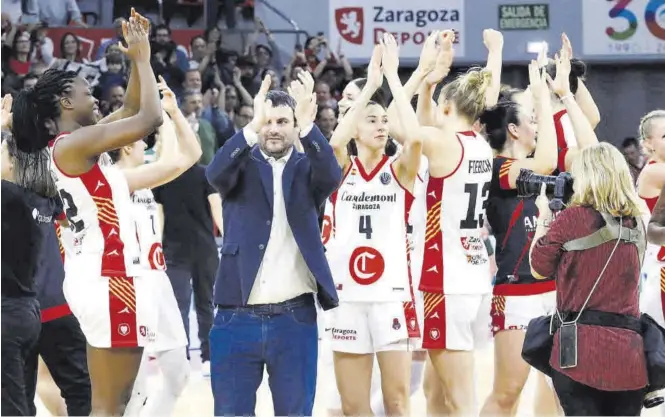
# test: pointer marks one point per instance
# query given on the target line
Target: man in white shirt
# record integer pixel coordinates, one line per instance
(273, 260)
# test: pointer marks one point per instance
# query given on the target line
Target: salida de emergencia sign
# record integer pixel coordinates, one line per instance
(524, 17)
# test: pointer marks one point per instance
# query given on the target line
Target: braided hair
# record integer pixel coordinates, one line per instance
(31, 169)
(36, 108)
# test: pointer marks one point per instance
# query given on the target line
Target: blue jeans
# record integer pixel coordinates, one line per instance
(282, 337)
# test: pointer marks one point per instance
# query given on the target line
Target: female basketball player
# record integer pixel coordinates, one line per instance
(179, 149)
(112, 304)
(517, 297)
(650, 183)
(369, 254)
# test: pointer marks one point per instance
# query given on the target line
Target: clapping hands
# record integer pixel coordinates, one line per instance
(136, 33)
(302, 91)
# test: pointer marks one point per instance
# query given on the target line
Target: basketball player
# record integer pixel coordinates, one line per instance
(102, 286)
(179, 149)
(370, 211)
(517, 296)
(650, 184)
(455, 324)
(566, 138)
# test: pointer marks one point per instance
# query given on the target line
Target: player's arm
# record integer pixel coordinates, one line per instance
(347, 126)
(544, 160)
(426, 106)
(76, 154)
(408, 162)
(653, 177)
(426, 64)
(179, 148)
(132, 101)
(494, 42)
(582, 96)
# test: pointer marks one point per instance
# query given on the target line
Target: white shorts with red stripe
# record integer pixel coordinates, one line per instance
(456, 321)
(170, 330)
(652, 296)
(113, 312)
(514, 312)
(360, 327)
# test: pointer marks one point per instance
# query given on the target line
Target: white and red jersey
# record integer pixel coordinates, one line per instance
(654, 253)
(565, 137)
(367, 248)
(101, 239)
(418, 221)
(145, 215)
(455, 258)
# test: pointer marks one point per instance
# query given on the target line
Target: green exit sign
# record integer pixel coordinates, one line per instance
(524, 16)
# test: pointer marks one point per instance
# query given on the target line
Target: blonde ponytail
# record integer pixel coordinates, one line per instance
(468, 92)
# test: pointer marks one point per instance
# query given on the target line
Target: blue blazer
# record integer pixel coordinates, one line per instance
(244, 179)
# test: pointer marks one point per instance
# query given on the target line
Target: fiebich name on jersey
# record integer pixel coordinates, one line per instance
(480, 166)
(364, 201)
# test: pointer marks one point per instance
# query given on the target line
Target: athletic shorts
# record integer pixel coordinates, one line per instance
(457, 321)
(170, 330)
(514, 312)
(360, 327)
(114, 312)
(652, 296)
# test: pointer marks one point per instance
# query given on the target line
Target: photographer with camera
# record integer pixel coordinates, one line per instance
(517, 296)
(593, 249)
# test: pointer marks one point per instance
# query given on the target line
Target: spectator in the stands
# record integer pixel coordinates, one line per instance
(117, 24)
(192, 108)
(42, 51)
(244, 78)
(200, 50)
(166, 45)
(323, 95)
(167, 60)
(326, 120)
(243, 116)
(263, 54)
(60, 13)
(115, 74)
(274, 85)
(634, 155)
(70, 48)
(15, 60)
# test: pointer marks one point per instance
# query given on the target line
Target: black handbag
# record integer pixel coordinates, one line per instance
(538, 341)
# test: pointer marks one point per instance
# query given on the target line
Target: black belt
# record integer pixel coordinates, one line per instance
(273, 309)
(600, 318)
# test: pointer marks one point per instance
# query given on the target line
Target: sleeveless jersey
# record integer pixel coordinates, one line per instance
(455, 258)
(417, 222)
(513, 222)
(101, 238)
(145, 216)
(368, 252)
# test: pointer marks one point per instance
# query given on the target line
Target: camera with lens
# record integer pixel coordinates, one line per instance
(559, 188)
(653, 399)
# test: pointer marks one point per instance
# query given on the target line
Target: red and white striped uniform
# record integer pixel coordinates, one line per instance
(102, 256)
(455, 275)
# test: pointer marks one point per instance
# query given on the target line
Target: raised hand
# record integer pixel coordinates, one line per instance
(444, 58)
(374, 70)
(538, 82)
(566, 45)
(136, 36)
(430, 52)
(303, 93)
(169, 101)
(6, 111)
(143, 21)
(561, 84)
(493, 40)
(390, 58)
(260, 105)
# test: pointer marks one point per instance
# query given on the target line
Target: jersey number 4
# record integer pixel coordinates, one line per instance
(71, 211)
(365, 226)
(474, 218)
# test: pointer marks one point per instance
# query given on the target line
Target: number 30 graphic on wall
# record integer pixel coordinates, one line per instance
(653, 12)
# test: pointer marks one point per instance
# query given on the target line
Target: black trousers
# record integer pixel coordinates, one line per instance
(581, 400)
(198, 276)
(20, 331)
(63, 347)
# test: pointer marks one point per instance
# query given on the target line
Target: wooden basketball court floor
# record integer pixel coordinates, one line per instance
(197, 397)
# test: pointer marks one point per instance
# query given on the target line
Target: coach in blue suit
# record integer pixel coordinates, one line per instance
(272, 257)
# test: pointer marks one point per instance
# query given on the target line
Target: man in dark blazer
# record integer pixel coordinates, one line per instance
(272, 257)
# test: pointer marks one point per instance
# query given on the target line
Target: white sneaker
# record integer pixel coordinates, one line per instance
(205, 369)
